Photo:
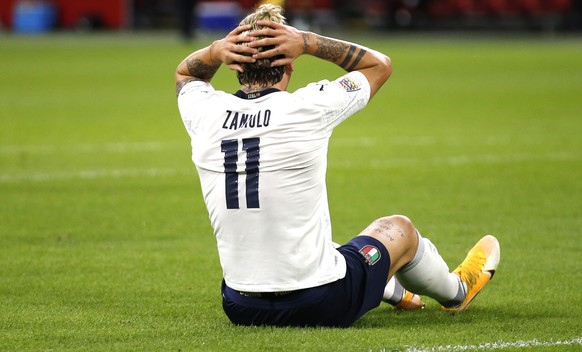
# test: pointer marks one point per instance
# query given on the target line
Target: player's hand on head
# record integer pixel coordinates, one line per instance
(229, 51)
(286, 42)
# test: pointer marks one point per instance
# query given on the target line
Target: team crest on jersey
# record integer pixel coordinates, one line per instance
(371, 254)
(349, 85)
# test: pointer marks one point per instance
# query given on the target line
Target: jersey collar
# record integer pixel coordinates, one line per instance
(255, 95)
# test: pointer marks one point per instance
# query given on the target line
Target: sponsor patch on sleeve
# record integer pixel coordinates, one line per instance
(349, 85)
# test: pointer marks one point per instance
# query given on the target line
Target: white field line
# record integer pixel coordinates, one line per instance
(499, 345)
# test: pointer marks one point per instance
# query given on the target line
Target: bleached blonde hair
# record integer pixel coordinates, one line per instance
(260, 72)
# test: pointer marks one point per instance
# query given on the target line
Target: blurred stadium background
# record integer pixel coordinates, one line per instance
(38, 16)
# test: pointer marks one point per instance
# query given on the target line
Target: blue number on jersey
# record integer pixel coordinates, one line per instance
(230, 149)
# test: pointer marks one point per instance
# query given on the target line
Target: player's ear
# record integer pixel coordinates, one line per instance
(288, 68)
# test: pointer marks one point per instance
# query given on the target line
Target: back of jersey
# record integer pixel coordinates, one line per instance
(262, 162)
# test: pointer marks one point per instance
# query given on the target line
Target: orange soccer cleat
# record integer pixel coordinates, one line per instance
(477, 269)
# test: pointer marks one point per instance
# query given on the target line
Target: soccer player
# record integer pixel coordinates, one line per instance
(261, 156)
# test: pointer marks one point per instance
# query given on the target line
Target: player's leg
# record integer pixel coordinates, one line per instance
(428, 274)
(425, 271)
(420, 269)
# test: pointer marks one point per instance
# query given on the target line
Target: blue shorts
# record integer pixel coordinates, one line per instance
(337, 304)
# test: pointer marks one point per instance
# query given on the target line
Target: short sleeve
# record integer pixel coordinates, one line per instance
(195, 87)
(188, 97)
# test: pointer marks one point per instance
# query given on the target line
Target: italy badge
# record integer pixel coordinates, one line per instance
(371, 254)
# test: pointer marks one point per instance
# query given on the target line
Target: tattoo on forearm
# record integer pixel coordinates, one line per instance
(305, 42)
(330, 50)
(199, 69)
(348, 57)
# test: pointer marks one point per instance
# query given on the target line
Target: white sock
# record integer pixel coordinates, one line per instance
(393, 292)
(428, 274)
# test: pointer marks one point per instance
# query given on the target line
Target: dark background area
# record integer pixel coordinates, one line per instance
(34, 16)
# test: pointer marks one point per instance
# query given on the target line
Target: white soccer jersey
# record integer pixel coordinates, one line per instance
(262, 163)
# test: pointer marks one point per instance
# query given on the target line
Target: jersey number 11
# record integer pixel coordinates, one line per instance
(230, 150)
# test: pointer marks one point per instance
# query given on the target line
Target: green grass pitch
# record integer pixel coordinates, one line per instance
(105, 244)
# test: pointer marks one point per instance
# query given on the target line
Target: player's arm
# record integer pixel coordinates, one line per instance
(292, 43)
(202, 64)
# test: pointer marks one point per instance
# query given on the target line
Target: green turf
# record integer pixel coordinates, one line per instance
(105, 243)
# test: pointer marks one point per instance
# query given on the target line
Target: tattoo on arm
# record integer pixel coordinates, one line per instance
(305, 42)
(356, 61)
(330, 50)
(333, 50)
(201, 70)
(345, 64)
(348, 57)
(198, 70)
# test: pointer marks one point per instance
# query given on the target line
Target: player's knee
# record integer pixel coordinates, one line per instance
(400, 238)
(402, 223)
